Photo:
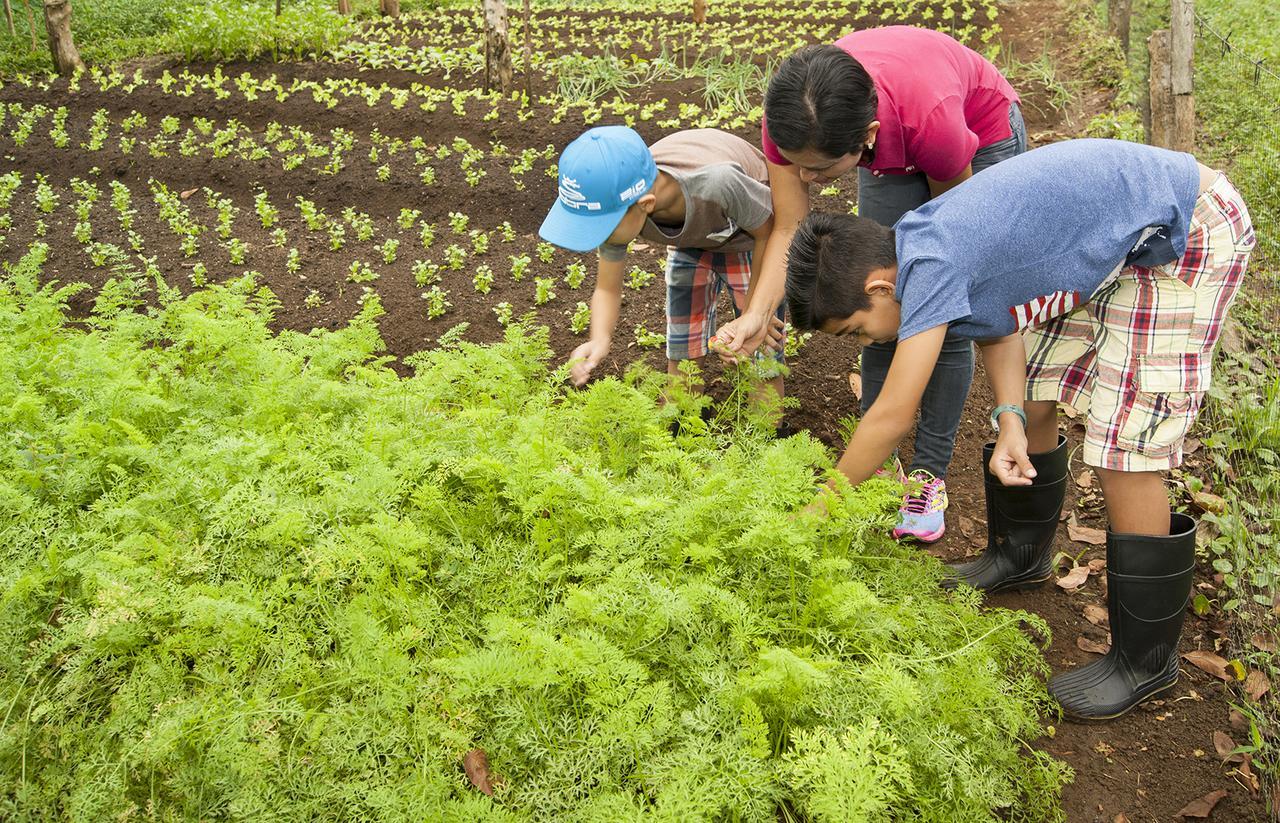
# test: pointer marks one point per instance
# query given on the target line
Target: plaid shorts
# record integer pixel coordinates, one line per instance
(1138, 356)
(695, 279)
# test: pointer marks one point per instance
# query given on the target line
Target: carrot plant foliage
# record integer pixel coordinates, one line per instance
(261, 577)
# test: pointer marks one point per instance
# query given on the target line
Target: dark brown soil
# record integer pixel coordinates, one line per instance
(1144, 767)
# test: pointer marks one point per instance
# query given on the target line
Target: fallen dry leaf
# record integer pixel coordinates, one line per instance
(1085, 479)
(1120, 818)
(1096, 615)
(1238, 721)
(1208, 662)
(1074, 579)
(1256, 685)
(184, 195)
(1247, 777)
(639, 246)
(1224, 746)
(855, 385)
(1191, 445)
(968, 526)
(1070, 412)
(476, 764)
(1085, 534)
(1205, 533)
(1209, 502)
(1264, 643)
(1092, 646)
(1203, 806)
(1232, 338)
(1097, 565)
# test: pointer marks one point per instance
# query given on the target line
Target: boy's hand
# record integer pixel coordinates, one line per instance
(588, 356)
(1009, 461)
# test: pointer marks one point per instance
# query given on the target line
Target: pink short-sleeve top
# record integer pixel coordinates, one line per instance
(938, 101)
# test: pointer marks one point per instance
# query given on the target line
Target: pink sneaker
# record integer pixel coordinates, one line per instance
(892, 466)
(921, 515)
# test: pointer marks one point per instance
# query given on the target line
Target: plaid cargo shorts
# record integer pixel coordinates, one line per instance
(695, 279)
(1138, 356)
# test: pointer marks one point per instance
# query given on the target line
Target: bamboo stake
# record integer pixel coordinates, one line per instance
(528, 49)
(8, 16)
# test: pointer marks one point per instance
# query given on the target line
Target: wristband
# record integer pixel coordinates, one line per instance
(1007, 407)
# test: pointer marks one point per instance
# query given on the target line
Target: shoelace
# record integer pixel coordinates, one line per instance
(920, 503)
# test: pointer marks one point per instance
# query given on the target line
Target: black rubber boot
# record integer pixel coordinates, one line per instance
(1021, 523)
(1148, 583)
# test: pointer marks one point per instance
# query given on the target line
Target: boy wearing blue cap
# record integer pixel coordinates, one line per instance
(702, 192)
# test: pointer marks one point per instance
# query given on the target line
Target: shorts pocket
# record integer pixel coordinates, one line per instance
(1168, 391)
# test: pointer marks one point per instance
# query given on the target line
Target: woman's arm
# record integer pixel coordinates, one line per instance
(938, 187)
(790, 197)
(761, 234)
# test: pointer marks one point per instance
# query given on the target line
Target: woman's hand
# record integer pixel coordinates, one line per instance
(736, 340)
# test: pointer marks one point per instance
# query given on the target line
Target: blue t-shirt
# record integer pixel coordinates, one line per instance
(1036, 235)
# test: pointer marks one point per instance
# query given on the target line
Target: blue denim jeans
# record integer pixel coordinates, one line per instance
(885, 199)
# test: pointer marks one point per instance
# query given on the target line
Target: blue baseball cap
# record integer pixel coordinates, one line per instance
(602, 174)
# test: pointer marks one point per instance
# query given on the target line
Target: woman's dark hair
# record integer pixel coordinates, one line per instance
(820, 98)
(828, 263)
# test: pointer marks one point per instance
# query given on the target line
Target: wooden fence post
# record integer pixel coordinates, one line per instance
(1160, 90)
(497, 47)
(1182, 20)
(1118, 14)
(57, 22)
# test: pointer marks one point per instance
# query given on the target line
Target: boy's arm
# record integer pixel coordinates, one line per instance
(1005, 360)
(606, 301)
(790, 197)
(891, 416)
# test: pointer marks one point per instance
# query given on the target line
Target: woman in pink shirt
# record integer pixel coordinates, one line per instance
(916, 113)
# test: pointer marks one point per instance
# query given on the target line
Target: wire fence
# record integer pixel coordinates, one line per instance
(1258, 65)
(1238, 98)
(1263, 75)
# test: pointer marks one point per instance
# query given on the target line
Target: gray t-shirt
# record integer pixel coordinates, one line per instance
(1036, 235)
(726, 192)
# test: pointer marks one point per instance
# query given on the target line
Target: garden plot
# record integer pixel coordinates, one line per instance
(383, 185)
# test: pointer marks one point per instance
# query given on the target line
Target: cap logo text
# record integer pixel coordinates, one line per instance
(634, 190)
(571, 197)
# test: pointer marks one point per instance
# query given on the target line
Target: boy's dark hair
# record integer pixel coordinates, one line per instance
(828, 263)
(820, 98)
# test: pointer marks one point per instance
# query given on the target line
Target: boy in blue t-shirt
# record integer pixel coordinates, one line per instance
(1094, 273)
